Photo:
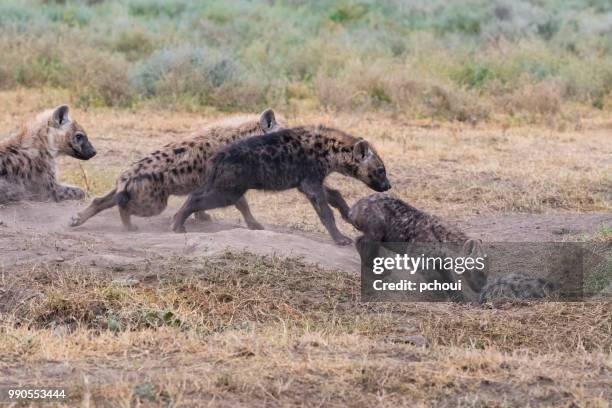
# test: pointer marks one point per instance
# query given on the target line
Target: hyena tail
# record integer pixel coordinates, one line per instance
(122, 197)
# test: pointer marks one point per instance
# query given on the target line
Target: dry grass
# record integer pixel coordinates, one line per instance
(243, 329)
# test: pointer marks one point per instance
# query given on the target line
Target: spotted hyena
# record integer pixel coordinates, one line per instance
(28, 170)
(176, 169)
(389, 222)
(517, 287)
(299, 157)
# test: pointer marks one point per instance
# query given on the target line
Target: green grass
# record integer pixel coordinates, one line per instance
(244, 55)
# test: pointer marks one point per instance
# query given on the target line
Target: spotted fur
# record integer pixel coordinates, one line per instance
(28, 170)
(517, 287)
(300, 158)
(389, 222)
(177, 168)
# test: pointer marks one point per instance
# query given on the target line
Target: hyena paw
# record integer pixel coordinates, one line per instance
(75, 221)
(254, 225)
(179, 229)
(343, 240)
(201, 216)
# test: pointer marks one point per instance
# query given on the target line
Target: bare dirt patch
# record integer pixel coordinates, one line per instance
(39, 231)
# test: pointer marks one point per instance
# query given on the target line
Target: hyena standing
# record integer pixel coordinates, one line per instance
(27, 160)
(300, 157)
(176, 169)
(386, 220)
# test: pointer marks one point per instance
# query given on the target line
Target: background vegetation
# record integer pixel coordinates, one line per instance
(465, 60)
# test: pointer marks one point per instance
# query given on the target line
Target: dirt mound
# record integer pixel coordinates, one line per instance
(39, 231)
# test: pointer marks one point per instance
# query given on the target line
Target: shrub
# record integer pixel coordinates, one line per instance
(197, 74)
(134, 44)
(421, 57)
(156, 8)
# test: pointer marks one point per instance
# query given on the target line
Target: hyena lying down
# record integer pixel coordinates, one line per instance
(176, 169)
(517, 287)
(300, 157)
(27, 160)
(385, 220)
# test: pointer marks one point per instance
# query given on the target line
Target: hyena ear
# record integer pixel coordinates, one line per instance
(473, 248)
(476, 279)
(60, 115)
(361, 149)
(267, 120)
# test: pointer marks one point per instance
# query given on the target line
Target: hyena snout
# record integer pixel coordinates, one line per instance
(377, 180)
(381, 185)
(82, 148)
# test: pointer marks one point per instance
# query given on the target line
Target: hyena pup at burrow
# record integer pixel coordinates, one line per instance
(28, 170)
(176, 169)
(517, 287)
(301, 158)
(388, 222)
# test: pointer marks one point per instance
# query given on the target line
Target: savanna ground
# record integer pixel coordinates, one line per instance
(227, 316)
(495, 115)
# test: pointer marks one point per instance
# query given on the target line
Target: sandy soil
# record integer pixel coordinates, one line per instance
(39, 231)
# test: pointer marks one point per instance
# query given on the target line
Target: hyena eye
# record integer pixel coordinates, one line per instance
(79, 137)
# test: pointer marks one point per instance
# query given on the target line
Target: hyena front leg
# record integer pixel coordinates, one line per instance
(243, 206)
(368, 249)
(63, 192)
(315, 193)
(336, 200)
(97, 205)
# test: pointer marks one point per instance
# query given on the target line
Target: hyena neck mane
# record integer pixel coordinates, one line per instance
(239, 127)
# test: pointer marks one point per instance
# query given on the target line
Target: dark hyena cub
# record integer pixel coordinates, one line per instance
(300, 157)
(517, 287)
(28, 170)
(176, 169)
(385, 220)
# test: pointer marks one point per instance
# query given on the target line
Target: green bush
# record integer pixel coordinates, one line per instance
(420, 57)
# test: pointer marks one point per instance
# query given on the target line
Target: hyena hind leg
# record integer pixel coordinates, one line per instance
(97, 205)
(126, 220)
(202, 216)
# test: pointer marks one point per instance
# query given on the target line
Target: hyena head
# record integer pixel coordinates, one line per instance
(367, 166)
(476, 279)
(67, 137)
(268, 123)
